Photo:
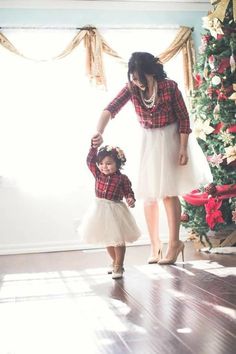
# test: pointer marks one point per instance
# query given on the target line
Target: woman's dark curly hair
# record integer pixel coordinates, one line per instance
(145, 63)
(114, 152)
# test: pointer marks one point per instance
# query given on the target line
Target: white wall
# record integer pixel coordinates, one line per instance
(29, 224)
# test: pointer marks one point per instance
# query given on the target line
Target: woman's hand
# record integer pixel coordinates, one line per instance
(183, 157)
(131, 202)
(183, 154)
(96, 140)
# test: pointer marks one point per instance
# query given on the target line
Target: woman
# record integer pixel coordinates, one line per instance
(171, 164)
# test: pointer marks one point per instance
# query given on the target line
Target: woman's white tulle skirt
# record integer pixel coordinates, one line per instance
(108, 223)
(160, 175)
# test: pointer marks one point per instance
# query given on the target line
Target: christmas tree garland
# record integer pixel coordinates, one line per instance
(213, 208)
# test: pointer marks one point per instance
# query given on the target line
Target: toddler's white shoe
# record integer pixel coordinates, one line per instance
(117, 272)
(110, 269)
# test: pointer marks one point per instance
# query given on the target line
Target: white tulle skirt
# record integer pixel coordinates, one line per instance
(160, 175)
(108, 223)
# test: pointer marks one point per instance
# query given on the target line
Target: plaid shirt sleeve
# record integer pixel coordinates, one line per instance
(119, 101)
(91, 161)
(127, 188)
(181, 112)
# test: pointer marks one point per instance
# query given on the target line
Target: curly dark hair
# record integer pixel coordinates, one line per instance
(114, 152)
(145, 63)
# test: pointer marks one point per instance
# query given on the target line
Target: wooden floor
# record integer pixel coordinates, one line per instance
(66, 303)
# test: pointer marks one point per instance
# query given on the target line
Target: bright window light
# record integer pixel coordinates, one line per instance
(49, 110)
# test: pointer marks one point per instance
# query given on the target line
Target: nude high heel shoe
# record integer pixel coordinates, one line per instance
(172, 260)
(155, 259)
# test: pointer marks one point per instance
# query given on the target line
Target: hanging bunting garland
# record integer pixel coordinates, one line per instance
(8, 45)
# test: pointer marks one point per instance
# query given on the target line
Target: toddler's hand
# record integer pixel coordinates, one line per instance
(96, 140)
(130, 202)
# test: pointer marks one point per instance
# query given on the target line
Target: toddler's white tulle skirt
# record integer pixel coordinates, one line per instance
(160, 175)
(108, 223)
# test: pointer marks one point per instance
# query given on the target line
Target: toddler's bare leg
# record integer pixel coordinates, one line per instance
(119, 261)
(111, 252)
(119, 255)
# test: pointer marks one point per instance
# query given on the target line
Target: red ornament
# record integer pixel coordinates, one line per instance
(211, 189)
(219, 36)
(184, 217)
(211, 61)
(232, 128)
(218, 128)
(223, 65)
(210, 91)
(206, 38)
(228, 90)
(222, 96)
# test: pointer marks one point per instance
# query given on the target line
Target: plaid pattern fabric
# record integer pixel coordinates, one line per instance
(169, 108)
(113, 187)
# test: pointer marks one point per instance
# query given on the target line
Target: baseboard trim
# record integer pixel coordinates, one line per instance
(39, 247)
(72, 245)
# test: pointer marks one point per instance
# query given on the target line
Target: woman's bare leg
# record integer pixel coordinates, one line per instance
(173, 212)
(151, 212)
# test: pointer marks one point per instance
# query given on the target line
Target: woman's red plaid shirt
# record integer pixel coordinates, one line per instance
(169, 107)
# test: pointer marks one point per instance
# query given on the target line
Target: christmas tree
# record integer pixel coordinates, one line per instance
(213, 208)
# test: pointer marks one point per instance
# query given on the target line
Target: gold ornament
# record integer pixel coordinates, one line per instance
(233, 97)
(202, 129)
(213, 25)
(220, 10)
(230, 154)
(226, 137)
(232, 63)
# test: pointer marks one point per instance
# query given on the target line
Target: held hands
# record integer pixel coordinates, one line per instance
(131, 202)
(96, 140)
(183, 157)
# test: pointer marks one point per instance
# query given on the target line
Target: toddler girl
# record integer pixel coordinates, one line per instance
(109, 222)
